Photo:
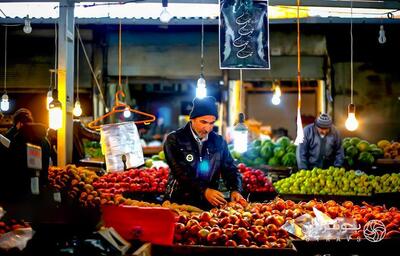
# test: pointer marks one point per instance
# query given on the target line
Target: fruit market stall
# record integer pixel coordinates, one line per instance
(262, 227)
(256, 225)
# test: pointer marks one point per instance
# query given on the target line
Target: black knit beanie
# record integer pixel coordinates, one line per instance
(204, 107)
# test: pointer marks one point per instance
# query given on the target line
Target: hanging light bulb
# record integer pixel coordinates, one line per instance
(165, 16)
(276, 98)
(127, 112)
(240, 135)
(382, 37)
(5, 104)
(55, 112)
(27, 27)
(49, 98)
(77, 109)
(201, 90)
(351, 121)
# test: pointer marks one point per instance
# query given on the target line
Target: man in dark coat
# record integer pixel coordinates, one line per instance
(198, 157)
(322, 145)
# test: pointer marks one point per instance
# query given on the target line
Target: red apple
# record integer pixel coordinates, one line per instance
(203, 233)
(194, 230)
(205, 216)
(230, 243)
(212, 237)
(179, 228)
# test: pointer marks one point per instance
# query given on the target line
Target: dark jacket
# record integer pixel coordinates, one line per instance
(16, 177)
(192, 171)
(312, 152)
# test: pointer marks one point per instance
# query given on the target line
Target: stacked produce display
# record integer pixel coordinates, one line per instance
(256, 224)
(255, 180)
(360, 153)
(280, 153)
(262, 224)
(87, 188)
(337, 181)
(93, 149)
(390, 150)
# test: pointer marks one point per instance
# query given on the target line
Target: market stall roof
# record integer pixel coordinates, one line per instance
(377, 4)
(189, 13)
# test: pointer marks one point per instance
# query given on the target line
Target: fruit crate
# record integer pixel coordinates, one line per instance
(324, 198)
(277, 172)
(151, 197)
(387, 199)
(201, 250)
(259, 196)
(346, 247)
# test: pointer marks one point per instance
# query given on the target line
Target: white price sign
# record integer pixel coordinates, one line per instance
(34, 156)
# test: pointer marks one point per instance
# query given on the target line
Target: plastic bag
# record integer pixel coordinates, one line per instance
(16, 239)
(118, 141)
(322, 227)
(2, 212)
(244, 35)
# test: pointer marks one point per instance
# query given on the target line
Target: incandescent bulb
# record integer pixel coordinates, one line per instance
(201, 90)
(240, 135)
(49, 98)
(127, 113)
(55, 115)
(165, 16)
(351, 122)
(5, 104)
(276, 100)
(27, 27)
(278, 91)
(382, 37)
(77, 109)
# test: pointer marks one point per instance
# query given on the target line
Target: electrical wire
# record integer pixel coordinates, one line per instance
(119, 55)
(5, 59)
(77, 68)
(241, 89)
(55, 55)
(91, 70)
(298, 57)
(202, 48)
(351, 53)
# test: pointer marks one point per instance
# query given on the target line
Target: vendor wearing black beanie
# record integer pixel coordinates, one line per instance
(198, 157)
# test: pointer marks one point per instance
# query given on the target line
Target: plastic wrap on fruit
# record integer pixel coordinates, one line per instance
(291, 227)
(17, 238)
(244, 41)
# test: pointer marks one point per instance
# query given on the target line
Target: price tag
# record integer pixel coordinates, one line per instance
(34, 156)
(57, 197)
(35, 185)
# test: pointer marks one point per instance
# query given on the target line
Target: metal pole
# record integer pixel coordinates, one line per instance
(65, 86)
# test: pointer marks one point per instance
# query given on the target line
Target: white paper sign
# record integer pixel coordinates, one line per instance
(34, 156)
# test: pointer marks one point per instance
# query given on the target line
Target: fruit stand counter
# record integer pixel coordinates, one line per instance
(199, 250)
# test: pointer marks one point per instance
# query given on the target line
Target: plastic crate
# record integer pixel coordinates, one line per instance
(147, 224)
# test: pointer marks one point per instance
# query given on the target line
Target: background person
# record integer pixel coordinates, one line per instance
(322, 145)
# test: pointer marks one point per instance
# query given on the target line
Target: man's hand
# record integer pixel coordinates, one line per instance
(237, 197)
(214, 197)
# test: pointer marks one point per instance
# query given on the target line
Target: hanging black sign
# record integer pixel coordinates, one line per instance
(244, 34)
